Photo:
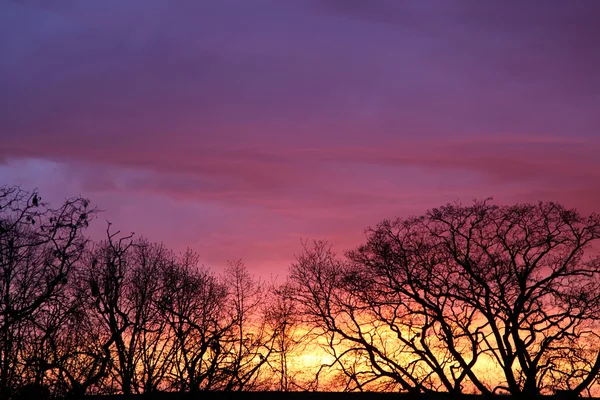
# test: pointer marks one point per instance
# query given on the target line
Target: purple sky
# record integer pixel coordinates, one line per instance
(240, 127)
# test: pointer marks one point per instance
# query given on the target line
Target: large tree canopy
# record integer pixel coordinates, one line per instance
(481, 298)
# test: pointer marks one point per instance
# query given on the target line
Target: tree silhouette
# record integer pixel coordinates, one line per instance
(193, 305)
(478, 298)
(39, 247)
(249, 343)
(107, 273)
(152, 355)
(429, 299)
(290, 336)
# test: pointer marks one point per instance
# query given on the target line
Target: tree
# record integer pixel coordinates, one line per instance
(289, 334)
(118, 316)
(105, 276)
(248, 343)
(330, 301)
(192, 303)
(152, 350)
(39, 247)
(121, 281)
(76, 347)
(431, 300)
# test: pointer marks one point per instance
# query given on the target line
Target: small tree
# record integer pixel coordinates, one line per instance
(249, 342)
(150, 337)
(289, 334)
(192, 302)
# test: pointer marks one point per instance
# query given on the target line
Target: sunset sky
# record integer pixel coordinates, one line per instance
(239, 128)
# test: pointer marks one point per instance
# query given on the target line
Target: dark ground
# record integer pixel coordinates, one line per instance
(307, 396)
(272, 395)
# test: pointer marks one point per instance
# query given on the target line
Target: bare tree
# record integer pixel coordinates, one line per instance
(360, 346)
(249, 342)
(127, 292)
(75, 351)
(192, 303)
(479, 298)
(106, 273)
(39, 246)
(124, 286)
(430, 300)
(150, 340)
(290, 337)
(520, 274)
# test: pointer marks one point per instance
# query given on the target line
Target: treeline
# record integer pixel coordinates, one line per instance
(464, 299)
(124, 315)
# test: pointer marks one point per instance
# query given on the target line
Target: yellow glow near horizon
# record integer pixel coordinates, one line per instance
(305, 363)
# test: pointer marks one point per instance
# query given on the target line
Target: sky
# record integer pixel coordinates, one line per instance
(240, 128)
